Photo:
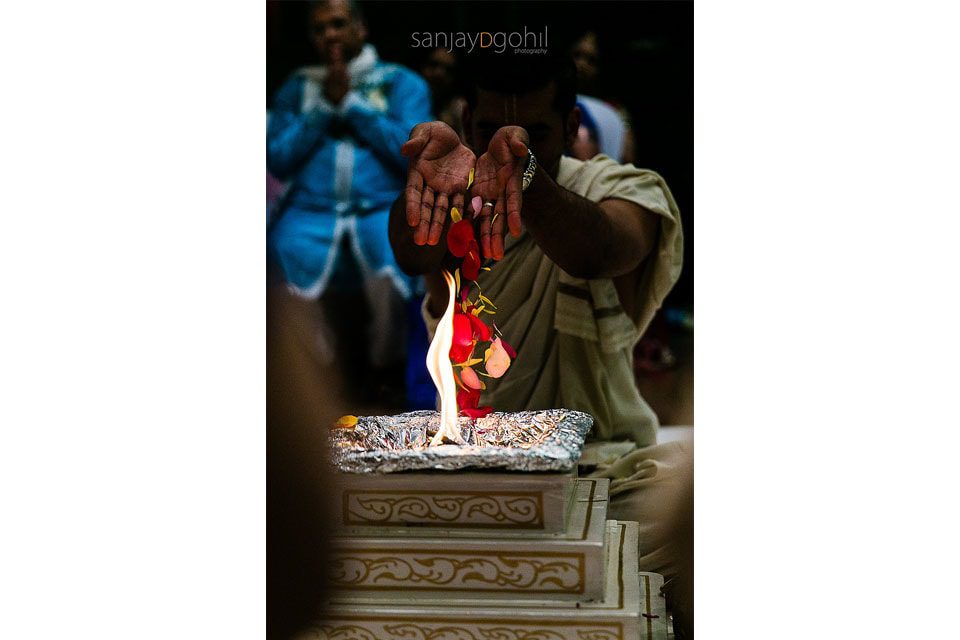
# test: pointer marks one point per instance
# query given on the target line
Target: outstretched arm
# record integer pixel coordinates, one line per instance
(587, 239)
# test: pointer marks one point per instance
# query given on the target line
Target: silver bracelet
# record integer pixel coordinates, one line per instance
(531, 169)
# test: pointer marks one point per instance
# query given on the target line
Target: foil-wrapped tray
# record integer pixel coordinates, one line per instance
(548, 440)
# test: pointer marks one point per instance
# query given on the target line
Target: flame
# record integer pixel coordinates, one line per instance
(438, 364)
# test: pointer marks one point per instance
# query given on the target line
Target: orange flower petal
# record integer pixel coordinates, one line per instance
(346, 422)
(470, 378)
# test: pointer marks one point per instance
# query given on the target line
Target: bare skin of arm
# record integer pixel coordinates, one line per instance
(414, 259)
(610, 239)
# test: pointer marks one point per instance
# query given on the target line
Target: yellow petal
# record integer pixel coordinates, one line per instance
(470, 179)
(346, 422)
(455, 214)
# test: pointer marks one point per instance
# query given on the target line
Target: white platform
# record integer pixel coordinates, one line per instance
(631, 609)
(504, 564)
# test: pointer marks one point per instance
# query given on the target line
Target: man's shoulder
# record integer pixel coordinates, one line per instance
(573, 171)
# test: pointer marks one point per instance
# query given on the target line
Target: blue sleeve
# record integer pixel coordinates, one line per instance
(292, 136)
(385, 132)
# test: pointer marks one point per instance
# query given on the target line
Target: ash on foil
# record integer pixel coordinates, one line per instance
(549, 440)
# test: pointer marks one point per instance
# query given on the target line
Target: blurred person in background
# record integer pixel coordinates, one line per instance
(334, 135)
(604, 127)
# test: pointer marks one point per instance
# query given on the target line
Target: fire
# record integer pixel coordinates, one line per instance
(438, 364)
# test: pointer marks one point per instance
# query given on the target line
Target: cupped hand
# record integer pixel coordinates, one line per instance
(436, 179)
(499, 180)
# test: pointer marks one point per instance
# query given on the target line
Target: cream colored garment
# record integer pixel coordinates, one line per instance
(574, 341)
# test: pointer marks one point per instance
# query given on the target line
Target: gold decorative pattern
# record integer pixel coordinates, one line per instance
(410, 630)
(516, 509)
(529, 572)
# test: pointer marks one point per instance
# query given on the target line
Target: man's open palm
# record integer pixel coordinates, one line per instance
(499, 180)
(436, 179)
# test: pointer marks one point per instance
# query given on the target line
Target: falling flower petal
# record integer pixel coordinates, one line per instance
(462, 330)
(477, 203)
(510, 350)
(470, 178)
(468, 399)
(497, 359)
(480, 330)
(460, 353)
(470, 378)
(455, 214)
(346, 422)
(476, 413)
(459, 238)
(471, 262)
(461, 348)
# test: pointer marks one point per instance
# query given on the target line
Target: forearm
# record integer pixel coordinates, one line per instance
(415, 260)
(423, 260)
(438, 292)
(580, 236)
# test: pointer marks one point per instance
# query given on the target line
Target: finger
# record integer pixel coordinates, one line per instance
(514, 202)
(485, 233)
(426, 212)
(515, 225)
(439, 217)
(413, 197)
(419, 137)
(485, 179)
(457, 201)
(496, 231)
(518, 147)
(412, 147)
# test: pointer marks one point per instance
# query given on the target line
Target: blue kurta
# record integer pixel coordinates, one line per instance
(345, 169)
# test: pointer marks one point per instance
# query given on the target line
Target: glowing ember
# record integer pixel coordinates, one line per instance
(438, 364)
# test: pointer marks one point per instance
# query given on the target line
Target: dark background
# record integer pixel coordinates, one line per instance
(646, 65)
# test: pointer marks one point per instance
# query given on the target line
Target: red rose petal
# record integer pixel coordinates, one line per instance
(476, 413)
(460, 353)
(468, 399)
(459, 238)
(462, 329)
(480, 330)
(510, 351)
(471, 262)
